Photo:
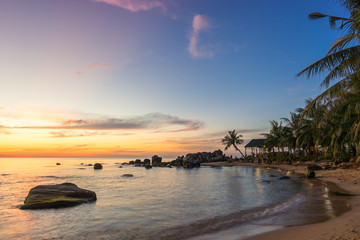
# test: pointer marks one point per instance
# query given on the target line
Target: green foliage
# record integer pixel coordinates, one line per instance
(331, 121)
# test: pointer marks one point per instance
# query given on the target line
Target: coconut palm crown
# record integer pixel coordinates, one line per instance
(233, 139)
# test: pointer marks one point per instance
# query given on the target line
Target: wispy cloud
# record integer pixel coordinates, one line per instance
(3, 130)
(148, 121)
(200, 24)
(165, 122)
(135, 5)
(101, 66)
(85, 133)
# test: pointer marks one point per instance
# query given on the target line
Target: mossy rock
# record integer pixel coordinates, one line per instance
(57, 196)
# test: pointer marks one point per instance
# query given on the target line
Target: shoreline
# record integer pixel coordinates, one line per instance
(344, 226)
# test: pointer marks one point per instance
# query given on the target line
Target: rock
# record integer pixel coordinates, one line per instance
(195, 159)
(147, 161)
(137, 161)
(265, 181)
(97, 166)
(156, 160)
(162, 164)
(89, 165)
(127, 175)
(344, 165)
(132, 162)
(178, 162)
(284, 177)
(58, 163)
(313, 167)
(310, 174)
(212, 166)
(57, 196)
(335, 193)
(148, 166)
(327, 167)
(192, 160)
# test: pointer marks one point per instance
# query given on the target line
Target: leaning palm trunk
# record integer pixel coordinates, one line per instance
(239, 150)
(231, 140)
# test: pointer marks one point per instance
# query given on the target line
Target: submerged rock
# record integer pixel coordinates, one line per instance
(97, 166)
(148, 166)
(310, 174)
(284, 177)
(127, 175)
(57, 196)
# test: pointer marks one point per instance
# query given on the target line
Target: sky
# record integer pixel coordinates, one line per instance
(134, 78)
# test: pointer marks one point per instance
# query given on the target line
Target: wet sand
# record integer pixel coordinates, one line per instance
(343, 227)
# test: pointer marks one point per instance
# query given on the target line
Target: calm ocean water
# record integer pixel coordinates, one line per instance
(159, 203)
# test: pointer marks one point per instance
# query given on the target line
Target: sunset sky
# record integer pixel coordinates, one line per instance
(134, 78)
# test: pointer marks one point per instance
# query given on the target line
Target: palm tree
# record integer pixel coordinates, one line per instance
(338, 126)
(277, 136)
(232, 139)
(342, 62)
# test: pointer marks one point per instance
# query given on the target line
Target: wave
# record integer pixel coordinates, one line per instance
(221, 223)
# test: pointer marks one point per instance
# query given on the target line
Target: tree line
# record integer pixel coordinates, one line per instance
(330, 123)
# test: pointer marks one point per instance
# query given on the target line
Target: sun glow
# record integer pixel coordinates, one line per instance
(31, 131)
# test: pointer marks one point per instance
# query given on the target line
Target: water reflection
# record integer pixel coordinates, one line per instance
(145, 206)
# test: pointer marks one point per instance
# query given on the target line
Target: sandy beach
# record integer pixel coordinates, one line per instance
(344, 227)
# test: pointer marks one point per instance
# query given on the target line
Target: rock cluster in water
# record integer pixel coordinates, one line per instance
(57, 196)
(191, 160)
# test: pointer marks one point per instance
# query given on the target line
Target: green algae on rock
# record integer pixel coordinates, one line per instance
(57, 196)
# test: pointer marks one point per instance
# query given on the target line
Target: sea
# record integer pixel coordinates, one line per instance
(160, 203)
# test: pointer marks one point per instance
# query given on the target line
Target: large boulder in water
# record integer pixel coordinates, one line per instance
(97, 166)
(195, 159)
(156, 160)
(57, 196)
(192, 160)
(178, 161)
(147, 161)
